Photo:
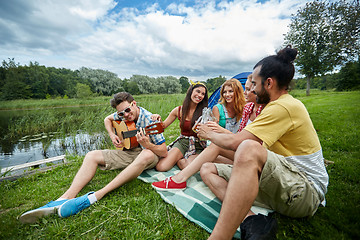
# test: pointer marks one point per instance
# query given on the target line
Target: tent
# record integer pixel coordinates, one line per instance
(214, 98)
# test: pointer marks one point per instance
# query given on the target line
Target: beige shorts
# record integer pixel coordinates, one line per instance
(282, 187)
(120, 159)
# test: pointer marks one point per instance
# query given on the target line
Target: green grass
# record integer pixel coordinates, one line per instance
(51, 103)
(143, 100)
(136, 211)
(41, 118)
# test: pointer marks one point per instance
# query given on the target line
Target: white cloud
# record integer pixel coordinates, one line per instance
(199, 41)
(91, 9)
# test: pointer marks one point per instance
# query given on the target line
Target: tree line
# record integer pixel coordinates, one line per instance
(348, 78)
(40, 82)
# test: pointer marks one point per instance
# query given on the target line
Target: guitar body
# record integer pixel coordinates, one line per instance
(126, 131)
(124, 126)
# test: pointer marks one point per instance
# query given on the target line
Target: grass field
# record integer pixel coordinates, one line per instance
(136, 211)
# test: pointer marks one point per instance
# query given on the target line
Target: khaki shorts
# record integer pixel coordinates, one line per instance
(282, 187)
(183, 145)
(120, 159)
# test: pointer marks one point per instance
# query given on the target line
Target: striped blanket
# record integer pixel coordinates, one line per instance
(197, 203)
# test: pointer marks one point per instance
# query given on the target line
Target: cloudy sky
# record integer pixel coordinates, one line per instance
(198, 39)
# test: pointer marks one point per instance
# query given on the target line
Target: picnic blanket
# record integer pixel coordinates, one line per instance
(197, 203)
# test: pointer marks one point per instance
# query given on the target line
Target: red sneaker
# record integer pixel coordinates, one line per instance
(168, 185)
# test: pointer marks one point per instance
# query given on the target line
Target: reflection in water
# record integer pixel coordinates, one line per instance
(35, 147)
(31, 135)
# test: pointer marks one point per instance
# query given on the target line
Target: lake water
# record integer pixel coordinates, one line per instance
(41, 145)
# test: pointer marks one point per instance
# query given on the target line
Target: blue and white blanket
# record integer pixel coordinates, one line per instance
(197, 203)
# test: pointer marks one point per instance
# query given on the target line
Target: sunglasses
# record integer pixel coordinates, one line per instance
(126, 110)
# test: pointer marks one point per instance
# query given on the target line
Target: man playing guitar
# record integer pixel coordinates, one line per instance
(133, 161)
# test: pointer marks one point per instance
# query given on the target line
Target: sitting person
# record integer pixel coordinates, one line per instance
(212, 153)
(187, 146)
(230, 107)
(252, 109)
(132, 161)
(278, 160)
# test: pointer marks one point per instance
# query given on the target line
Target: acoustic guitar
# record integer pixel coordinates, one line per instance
(126, 131)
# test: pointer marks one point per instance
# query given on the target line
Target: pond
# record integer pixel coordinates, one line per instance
(31, 135)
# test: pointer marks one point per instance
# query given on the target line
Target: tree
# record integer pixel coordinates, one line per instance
(83, 90)
(103, 82)
(38, 79)
(213, 83)
(349, 77)
(318, 32)
(345, 19)
(13, 84)
(132, 88)
(184, 82)
(145, 84)
(168, 85)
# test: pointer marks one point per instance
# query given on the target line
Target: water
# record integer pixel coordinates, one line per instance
(42, 145)
(33, 148)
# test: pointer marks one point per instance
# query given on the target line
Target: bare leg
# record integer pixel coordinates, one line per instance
(224, 160)
(183, 163)
(85, 173)
(217, 184)
(209, 154)
(131, 172)
(250, 158)
(168, 162)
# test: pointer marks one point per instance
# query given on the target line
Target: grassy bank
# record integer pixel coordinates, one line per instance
(136, 211)
(60, 102)
(64, 115)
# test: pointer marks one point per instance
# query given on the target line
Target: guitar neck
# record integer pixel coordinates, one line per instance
(129, 134)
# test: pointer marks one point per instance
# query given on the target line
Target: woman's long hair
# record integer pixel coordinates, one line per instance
(186, 104)
(239, 97)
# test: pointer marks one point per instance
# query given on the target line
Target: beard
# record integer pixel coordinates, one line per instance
(263, 96)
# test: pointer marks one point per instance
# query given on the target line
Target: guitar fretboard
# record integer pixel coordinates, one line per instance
(130, 133)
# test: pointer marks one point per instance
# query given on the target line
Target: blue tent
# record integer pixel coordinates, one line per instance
(214, 98)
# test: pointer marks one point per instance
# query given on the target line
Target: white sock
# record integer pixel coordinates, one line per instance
(60, 198)
(92, 198)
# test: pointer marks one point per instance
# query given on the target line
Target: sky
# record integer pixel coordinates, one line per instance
(198, 39)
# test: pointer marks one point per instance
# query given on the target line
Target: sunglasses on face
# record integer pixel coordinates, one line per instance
(126, 110)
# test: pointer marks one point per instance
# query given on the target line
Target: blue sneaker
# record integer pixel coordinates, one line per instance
(33, 215)
(74, 206)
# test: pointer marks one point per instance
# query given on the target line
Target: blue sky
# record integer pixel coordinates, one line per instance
(198, 39)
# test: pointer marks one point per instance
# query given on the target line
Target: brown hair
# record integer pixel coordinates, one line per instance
(239, 98)
(120, 97)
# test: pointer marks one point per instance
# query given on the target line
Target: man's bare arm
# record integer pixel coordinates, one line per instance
(225, 140)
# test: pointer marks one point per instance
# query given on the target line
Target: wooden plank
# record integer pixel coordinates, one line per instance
(31, 172)
(32, 164)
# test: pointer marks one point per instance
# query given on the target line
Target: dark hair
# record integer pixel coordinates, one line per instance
(279, 66)
(120, 97)
(186, 104)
